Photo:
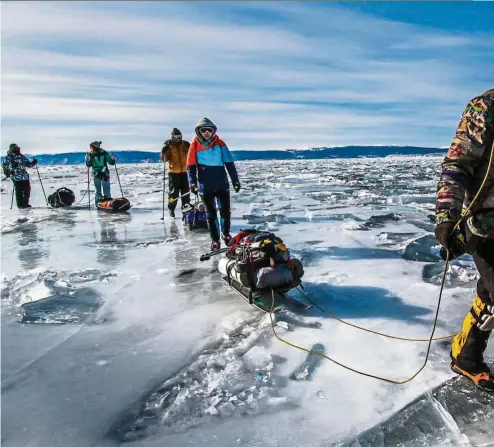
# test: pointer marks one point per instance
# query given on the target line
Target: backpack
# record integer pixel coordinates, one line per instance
(61, 197)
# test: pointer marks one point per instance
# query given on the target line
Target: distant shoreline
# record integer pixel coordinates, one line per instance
(77, 158)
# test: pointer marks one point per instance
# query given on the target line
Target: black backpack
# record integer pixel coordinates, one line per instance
(61, 197)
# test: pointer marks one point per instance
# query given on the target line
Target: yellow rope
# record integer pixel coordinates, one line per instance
(369, 330)
(430, 340)
(396, 382)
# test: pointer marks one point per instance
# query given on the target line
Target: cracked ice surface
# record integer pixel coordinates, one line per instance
(152, 348)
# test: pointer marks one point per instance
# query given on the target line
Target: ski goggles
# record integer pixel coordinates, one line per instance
(176, 137)
(206, 130)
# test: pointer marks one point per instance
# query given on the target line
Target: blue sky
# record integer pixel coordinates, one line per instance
(271, 75)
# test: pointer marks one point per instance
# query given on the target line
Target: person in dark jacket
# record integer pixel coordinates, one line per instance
(98, 159)
(206, 162)
(14, 166)
(464, 169)
(175, 153)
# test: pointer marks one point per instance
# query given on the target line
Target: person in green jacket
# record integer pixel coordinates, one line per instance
(98, 159)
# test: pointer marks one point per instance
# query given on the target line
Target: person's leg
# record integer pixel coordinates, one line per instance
(97, 187)
(27, 192)
(105, 182)
(209, 204)
(173, 190)
(184, 189)
(467, 350)
(225, 214)
(19, 194)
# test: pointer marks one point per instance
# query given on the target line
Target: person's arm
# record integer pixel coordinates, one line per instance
(28, 163)
(7, 165)
(192, 166)
(473, 135)
(229, 164)
(110, 159)
(164, 151)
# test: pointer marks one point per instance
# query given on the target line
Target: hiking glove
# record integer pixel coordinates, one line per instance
(443, 234)
(34, 162)
(194, 189)
(236, 187)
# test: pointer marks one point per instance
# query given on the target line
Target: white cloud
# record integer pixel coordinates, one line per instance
(312, 75)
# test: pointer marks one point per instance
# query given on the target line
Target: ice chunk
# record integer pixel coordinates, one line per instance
(257, 358)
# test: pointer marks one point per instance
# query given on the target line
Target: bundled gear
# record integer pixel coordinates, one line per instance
(14, 166)
(467, 180)
(175, 152)
(118, 205)
(61, 197)
(98, 159)
(195, 217)
(258, 261)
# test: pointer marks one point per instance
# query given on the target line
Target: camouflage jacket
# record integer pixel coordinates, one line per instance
(466, 165)
(14, 165)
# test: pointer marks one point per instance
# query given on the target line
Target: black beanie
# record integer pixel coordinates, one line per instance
(176, 132)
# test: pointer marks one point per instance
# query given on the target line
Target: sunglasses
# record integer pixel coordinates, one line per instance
(206, 130)
(176, 137)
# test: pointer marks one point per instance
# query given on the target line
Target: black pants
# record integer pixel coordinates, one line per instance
(178, 186)
(209, 201)
(22, 193)
(469, 345)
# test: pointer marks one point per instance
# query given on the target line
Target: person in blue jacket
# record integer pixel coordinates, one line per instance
(207, 159)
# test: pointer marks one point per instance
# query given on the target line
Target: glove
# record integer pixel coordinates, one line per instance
(453, 242)
(88, 157)
(443, 234)
(114, 157)
(194, 189)
(34, 162)
(236, 187)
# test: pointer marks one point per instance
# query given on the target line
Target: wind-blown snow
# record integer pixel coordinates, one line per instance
(127, 337)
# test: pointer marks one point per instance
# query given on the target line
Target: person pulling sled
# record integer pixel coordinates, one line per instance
(206, 162)
(466, 165)
(14, 166)
(98, 159)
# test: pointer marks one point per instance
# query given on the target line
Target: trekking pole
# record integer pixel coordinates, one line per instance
(118, 177)
(13, 192)
(88, 191)
(164, 176)
(42, 187)
(174, 200)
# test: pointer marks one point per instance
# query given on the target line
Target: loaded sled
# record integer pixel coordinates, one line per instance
(195, 217)
(259, 267)
(118, 205)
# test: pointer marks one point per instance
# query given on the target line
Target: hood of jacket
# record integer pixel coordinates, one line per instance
(205, 122)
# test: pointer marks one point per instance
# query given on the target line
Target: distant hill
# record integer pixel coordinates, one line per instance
(75, 158)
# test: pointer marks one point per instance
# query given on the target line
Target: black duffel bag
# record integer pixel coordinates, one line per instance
(61, 197)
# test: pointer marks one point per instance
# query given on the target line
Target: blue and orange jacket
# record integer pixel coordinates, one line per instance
(206, 166)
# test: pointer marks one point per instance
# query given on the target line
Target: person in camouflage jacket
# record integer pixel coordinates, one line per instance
(464, 168)
(14, 166)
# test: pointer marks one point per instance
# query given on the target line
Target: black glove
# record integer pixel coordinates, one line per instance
(443, 234)
(452, 241)
(34, 162)
(194, 189)
(236, 187)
